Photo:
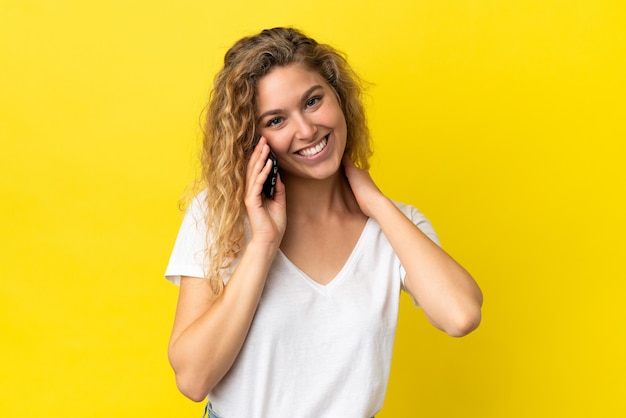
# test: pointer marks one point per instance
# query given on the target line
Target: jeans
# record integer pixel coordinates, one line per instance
(208, 412)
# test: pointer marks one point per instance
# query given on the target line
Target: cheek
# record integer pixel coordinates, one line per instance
(339, 117)
(342, 125)
(278, 141)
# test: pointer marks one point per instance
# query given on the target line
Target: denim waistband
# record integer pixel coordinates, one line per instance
(208, 412)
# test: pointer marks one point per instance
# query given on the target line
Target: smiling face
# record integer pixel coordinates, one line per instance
(300, 116)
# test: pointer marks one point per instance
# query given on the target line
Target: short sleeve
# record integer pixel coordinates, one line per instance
(420, 221)
(188, 256)
(423, 224)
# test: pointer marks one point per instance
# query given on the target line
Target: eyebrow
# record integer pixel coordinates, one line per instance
(305, 95)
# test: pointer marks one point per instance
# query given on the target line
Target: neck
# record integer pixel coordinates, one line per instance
(318, 199)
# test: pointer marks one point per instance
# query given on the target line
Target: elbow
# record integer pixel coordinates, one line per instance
(464, 323)
(192, 388)
(191, 382)
(468, 316)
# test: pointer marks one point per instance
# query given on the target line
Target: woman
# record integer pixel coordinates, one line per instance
(288, 305)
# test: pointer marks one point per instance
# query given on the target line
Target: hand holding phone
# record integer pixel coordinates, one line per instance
(270, 183)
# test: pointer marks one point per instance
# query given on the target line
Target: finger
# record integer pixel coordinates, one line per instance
(258, 150)
(259, 175)
(258, 158)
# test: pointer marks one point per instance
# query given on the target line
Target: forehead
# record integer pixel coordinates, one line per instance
(285, 85)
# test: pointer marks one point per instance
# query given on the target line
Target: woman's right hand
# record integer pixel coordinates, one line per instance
(200, 315)
(268, 217)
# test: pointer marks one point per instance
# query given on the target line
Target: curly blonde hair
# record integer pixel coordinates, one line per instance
(230, 131)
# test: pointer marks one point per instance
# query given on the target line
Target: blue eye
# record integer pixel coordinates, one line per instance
(313, 101)
(274, 121)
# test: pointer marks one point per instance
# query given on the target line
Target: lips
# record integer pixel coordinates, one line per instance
(312, 151)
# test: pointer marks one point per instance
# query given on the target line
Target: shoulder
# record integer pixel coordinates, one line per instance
(196, 209)
(197, 205)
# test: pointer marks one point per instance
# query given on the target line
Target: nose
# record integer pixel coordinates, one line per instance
(305, 128)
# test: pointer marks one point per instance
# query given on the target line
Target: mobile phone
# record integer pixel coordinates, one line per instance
(270, 182)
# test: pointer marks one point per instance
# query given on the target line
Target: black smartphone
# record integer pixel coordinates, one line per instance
(270, 183)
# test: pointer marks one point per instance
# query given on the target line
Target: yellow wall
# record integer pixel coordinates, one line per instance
(502, 120)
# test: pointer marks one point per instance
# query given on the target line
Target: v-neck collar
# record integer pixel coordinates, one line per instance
(341, 274)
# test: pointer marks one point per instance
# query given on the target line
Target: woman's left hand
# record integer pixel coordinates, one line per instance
(365, 191)
(448, 295)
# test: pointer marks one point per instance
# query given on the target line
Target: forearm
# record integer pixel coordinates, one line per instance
(203, 352)
(447, 293)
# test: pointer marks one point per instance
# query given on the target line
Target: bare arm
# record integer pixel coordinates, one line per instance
(209, 331)
(447, 293)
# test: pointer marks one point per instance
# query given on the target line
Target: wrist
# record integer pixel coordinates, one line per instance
(263, 247)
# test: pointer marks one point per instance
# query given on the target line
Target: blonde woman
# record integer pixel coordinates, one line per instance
(288, 304)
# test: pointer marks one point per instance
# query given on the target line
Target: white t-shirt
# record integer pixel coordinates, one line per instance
(312, 350)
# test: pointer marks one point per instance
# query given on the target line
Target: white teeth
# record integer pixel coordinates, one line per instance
(309, 152)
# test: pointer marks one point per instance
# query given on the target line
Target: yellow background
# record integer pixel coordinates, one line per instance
(503, 121)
